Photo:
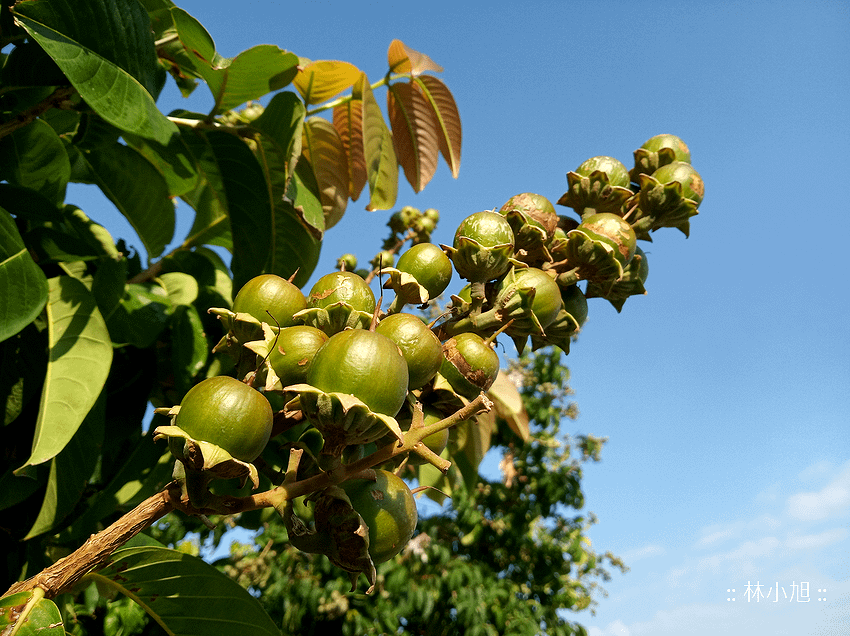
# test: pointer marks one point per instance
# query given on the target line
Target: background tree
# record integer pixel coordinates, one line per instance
(91, 335)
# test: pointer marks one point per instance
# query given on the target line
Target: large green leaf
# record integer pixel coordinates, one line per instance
(250, 75)
(211, 225)
(79, 358)
(105, 48)
(183, 594)
(34, 157)
(282, 122)
(325, 156)
(249, 204)
(23, 286)
(70, 471)
(174, 162)
(381, 161)
(135, 187)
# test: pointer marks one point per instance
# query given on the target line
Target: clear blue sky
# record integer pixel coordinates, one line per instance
(723, 391)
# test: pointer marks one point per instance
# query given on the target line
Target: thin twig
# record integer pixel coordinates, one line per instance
(33, 112)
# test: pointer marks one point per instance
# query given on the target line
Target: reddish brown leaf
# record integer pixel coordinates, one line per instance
(323, 148)
(403, 59)
(448, 118)
(416, 133)
(348, 121)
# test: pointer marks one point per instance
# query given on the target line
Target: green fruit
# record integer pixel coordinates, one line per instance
(429, 265)
(547, 295)
(575, 303)
(656, 143)
(470, 364)
(364, 364)
(294, 350)
(225, 412)
(617, 173)
(692, 184)
(419, 346)
(535, 208)
(388, 509)
(346, 287)
(614, 231)
(483, 245)
(269, 294)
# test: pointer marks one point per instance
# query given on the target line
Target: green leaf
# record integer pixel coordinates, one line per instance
(42, 615)
(295, 247)
(250, 75)
(183, 594)
(70, 471)
(173, 161)
(248, 200)
(211, 225)
(23, 286)
(181, 289)
(303, 192)
(80, 354)
(282, 122)
(22, 366)
(34, 157)
(105, 49)
(381, 162)
(28, 204)
(135, 187)
(189, 347)
(319, 81)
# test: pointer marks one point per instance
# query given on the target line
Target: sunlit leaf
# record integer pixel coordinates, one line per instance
(381, 162)
(448, 118)
(415, 133)
(183, 594)
(70, 471)
(135, 187)
(115, 75)
(23, 286)
(348, 121)
(319, 81)
(250, 75)
(281, 122)
(403, 59)
(181, 289)
(43, 618)
(323, 149)
(34, 157)
(79, 357)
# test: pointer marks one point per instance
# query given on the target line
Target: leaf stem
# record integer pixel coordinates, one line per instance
(33, 112)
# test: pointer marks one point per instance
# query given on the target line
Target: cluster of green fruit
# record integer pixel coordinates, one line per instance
(347, 378)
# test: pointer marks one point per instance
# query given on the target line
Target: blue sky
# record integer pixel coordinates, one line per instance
(723, 391)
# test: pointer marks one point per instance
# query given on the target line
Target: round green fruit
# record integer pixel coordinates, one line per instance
(294, 350)
(270, 294)
(614, 231)
(665, 140)
(470, 364)
(692, 184)
(429, 265)
(388, 509)
(617, 173)
(419, 346)
(483, 245)
(547, 294)
(345, 287)
(225, 412)
(364, 364)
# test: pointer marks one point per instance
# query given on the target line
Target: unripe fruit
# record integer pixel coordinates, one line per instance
(294, 351)
(225, 412)
(388, 509)
(692, 184)
(483, 243)
(429, 265)
(272, 294)
(364, 364)
(419, 346)
(665, 140)
(470, 364)
(345, 287)
(614, 231)
(617, 173)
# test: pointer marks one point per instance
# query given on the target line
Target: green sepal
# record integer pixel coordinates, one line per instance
(594, 193)
(341, 418)
(648, 161)
(333, 318)
(477, 263)
(631, 283)
(204, 457)
(662, 205)
(406, 287)
(337, 531)
(531, 237)
(559, 333)
(596, 259)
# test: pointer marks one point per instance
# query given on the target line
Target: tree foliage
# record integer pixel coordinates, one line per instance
(92, 332)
